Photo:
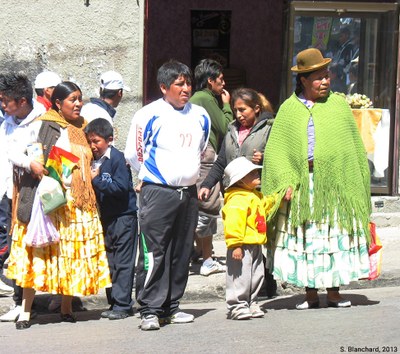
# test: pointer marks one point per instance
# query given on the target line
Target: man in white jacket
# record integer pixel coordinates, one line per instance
(20, 110)
(166, 140)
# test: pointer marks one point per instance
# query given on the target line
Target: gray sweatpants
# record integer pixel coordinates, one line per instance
(244, 278)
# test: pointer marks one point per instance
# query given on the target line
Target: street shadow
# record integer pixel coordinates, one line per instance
(289, 303)
(95, 315)
(42, 314)
(195, 312)
(199, 312)
(54, 318)
(81, 316)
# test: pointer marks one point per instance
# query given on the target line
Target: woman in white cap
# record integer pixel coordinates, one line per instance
(317, 164)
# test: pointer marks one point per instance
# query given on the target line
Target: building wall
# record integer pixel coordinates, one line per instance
(79, 43)
(255, 39)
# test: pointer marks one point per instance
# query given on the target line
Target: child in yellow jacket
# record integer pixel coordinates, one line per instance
(244, 217)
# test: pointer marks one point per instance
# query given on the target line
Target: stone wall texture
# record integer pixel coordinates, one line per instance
(79, 43)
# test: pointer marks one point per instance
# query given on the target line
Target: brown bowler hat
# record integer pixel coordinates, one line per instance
(309, 60)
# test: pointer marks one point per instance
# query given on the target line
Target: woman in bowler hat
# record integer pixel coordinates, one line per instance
(316, 162)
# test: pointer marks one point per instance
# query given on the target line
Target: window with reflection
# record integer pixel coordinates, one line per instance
(362, 42)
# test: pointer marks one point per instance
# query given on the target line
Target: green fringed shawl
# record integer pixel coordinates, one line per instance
(341, 172)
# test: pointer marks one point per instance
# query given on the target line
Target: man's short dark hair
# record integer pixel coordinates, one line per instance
(16, 86)
(107, 93)
(101, 127)
(170, 71)
(39, 92)
(206, 69)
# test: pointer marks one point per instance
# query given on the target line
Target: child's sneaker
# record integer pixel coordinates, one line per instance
(212, 268)
(149, 323)
(256, 311)
(240, 314)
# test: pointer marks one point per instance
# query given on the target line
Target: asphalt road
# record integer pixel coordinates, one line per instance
(372, 323)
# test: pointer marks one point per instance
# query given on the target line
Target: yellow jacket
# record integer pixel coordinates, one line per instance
(244, 217)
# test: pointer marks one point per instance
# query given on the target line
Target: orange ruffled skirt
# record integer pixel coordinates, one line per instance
(75, 266)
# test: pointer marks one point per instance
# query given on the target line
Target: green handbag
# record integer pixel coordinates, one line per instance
(51, 194)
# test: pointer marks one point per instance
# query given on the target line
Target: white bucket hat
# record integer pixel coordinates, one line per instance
(238, 168)
(47, 79)
(111, 80)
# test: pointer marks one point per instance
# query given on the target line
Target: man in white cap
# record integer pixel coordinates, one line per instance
(45, 83)
(111, 92)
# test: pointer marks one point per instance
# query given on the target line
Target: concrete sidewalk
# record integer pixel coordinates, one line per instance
(212, 288)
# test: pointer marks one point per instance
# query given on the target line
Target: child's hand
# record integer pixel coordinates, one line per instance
(94, 172)
(288, 194)
(237, 253)
(257, 157)
(204, 194)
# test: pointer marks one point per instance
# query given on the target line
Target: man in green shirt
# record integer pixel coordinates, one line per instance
(211, 95)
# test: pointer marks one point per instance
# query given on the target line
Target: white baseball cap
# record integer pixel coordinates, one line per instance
(111, 80)
(47, 79)
(238, 168)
